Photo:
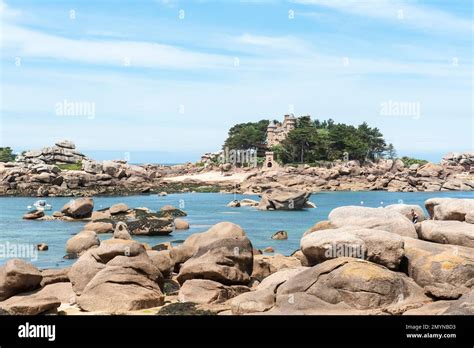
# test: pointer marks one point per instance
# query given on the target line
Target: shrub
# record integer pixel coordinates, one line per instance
(70, 166)
(408, 161)
(6, 154)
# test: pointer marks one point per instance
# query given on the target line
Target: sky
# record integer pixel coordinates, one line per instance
(164, 80)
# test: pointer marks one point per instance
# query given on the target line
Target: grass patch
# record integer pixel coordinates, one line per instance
(408, 161)
(70, 166)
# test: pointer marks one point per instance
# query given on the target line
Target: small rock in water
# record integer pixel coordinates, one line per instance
(172, 211)
(246, 202)
(181, 224)
(99, 215)
(162, 194)
(42, 247)
(78, 208)
(268, 250)
(33, 215)
(234, 204)
(288, 199)
(280, 235)
(118, 208)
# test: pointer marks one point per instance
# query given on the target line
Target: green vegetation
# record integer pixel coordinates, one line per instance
(70, 166)
(6, 154)
(408, 161)
(391, 153)
(186, 308)
(251, 135)
(185, 187)
(315, 141)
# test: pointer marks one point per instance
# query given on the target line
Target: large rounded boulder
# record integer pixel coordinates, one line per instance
(18, 276)
(116, 277)
(338, 286)
(263, 298)
(190, 246)
(373, 218)
(447, 232)
(205, 291)
(82, 242)
(377, 246)
(444, 271)
(277, 199)
(406, 210)
(265, 265)
(78, 208)
(223, 254)
(449, 208)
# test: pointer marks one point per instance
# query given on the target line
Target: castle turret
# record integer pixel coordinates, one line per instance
(271, 136)
(276, 133)
(289, 123)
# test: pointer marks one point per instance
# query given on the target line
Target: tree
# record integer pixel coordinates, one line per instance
(247, 135)
(376, 145)
(280, 153)
(391, 153)
(300, 141)
(6, 154)
(312, 141)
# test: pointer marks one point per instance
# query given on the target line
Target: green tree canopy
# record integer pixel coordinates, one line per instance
(247, 135)
(6, 154)
(317, 140)
(313, 141)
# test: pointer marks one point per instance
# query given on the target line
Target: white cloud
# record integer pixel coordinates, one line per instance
(398, 11)
(284, 44)
(7, 12)
(168, 3)
(268, 41)
(281, 55)
(30, 43)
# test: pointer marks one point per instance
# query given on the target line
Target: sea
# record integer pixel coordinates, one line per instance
(18, 236)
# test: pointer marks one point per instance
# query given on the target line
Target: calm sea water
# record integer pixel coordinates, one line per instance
(204, 210)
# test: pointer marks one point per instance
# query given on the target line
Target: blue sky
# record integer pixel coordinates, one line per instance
(168, 78)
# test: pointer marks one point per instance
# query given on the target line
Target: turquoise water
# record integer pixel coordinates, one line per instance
(204, 210)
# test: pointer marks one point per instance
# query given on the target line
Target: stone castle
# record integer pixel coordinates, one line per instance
(276, 133)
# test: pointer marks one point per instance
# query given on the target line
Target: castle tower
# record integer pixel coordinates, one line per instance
(271, 136)
(270, 162)
(289, 123)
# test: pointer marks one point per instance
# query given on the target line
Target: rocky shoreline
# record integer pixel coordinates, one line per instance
(37, 176)
(360, 260)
